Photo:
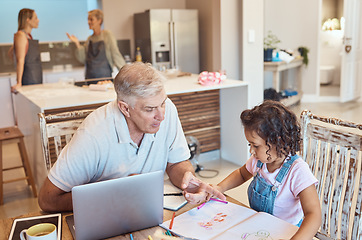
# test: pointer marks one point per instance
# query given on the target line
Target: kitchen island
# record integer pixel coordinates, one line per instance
(60, 97)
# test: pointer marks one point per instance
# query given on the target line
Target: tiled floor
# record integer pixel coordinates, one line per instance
(329, 90)
(18, 198)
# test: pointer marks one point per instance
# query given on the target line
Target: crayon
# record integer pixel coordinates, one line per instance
(218, 200)
(201, 205)
(171, 223)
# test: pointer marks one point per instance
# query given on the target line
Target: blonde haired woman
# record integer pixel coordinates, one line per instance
(28, 64)
(100, 52)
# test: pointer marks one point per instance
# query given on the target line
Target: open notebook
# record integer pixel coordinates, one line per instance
(172, 202)
(216, 220)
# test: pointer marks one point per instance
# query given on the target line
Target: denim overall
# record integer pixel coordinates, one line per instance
(262, 194)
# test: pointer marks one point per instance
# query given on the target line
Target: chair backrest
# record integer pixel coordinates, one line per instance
(332, 148)
(56, 130)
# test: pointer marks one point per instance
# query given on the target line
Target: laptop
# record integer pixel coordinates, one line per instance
(118, 206)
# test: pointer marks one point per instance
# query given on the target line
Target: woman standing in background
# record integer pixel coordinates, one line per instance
(100, 52)
(28, 64)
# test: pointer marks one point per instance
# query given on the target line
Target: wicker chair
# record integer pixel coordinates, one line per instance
(56, 130)
(332, 148)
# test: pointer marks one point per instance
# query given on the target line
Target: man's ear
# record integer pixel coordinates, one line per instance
(123, 106)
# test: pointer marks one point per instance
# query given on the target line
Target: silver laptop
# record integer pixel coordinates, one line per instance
(118, 206)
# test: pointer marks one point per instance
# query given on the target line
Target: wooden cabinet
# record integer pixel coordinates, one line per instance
(199, 113)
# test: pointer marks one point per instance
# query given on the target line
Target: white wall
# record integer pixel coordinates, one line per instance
(210, 33)
(296, 23)
(230, 43)
(252, 51)
(55, 19)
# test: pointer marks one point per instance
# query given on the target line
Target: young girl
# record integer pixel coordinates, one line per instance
(282, 183)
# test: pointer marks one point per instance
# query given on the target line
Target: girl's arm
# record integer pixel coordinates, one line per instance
(20, 44)
(312, 214)
(236, 178)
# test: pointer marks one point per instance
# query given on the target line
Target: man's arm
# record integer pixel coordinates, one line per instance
(53, 199)
(182, 175)
(176, 171)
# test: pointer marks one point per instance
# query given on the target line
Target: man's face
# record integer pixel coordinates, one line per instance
(148, 113)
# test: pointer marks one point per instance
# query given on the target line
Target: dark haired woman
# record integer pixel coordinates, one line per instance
(28, 64)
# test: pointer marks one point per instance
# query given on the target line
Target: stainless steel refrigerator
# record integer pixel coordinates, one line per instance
(169, 38)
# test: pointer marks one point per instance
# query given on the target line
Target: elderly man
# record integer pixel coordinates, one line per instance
(137, 133)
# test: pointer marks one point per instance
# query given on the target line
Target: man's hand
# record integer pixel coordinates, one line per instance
(196, 191)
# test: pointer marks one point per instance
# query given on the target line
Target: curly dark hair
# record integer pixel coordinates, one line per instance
(276, 124)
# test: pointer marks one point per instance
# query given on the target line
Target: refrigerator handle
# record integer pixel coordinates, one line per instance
(172, 49)
(174, 45)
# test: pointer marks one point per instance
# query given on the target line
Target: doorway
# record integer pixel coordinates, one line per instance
(331, 45)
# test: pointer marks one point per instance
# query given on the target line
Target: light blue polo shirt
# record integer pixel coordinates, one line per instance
(102, 149)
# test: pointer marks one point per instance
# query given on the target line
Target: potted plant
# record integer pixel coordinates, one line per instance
(304, 53)
(270, 43)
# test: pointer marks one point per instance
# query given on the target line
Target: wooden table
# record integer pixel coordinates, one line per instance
(277, 67)
(5, 224)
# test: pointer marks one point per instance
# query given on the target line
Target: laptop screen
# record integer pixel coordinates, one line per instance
(118, 206)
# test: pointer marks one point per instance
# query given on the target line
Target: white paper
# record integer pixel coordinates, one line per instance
(220, 221)
(45, 57)
(210, 220)
(260, 226)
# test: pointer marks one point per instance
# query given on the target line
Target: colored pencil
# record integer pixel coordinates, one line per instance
(131, 236)
(160, 235)
(201, 205)
(218, 200)
(171, 223)
(149, 237)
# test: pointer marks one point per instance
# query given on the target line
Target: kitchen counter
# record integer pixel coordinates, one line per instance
(54, 96)
(62, 95)
(5, 74)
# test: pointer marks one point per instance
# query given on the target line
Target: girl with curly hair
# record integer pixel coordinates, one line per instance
(282, 184)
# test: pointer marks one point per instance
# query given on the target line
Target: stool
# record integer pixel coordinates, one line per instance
(8, 134)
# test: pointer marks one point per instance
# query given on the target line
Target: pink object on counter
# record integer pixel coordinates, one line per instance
(211, 78)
